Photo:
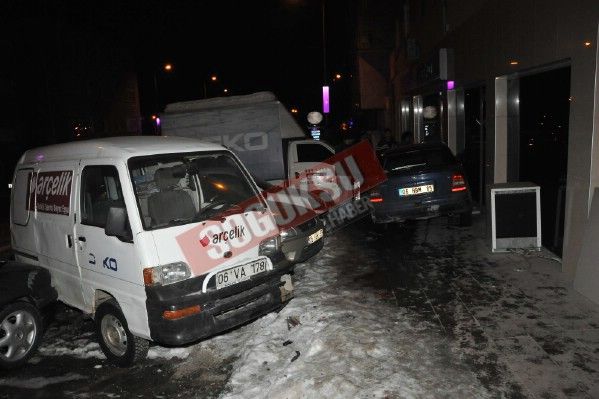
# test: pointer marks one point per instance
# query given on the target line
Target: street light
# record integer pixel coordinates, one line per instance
(325, 79)
(213, 79)
(168, 67)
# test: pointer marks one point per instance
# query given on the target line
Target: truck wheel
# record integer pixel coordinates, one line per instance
(121, 347)
(20, 333)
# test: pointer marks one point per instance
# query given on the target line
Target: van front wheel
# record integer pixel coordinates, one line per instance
(121, 347)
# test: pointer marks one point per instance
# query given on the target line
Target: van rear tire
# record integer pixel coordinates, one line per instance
(120, 347)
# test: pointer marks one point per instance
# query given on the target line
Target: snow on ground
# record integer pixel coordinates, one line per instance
(65, 339)
(79, 348)
(86, 348)
(348, 342)
(160, 352)
(39, 382)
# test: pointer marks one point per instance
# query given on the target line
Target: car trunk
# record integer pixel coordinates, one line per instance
(416, 185)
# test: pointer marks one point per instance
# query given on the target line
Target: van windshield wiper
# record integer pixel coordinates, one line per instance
(210, 213)
(179, 221)
(224, 209)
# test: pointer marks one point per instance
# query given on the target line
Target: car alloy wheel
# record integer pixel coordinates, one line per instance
(20, 330)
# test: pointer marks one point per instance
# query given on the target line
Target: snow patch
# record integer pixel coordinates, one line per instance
(39, 382)
(92, 350)
(81, 349)
(160, 352)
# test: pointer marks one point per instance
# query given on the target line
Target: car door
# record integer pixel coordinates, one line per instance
(305, 154)
(107, 263)
(51, 194)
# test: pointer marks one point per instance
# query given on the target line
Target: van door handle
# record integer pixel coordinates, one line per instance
(69, 241)
(82, 239)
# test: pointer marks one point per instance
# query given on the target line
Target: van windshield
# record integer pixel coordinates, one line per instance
(175, 189)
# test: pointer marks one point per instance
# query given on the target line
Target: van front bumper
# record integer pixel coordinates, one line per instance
(221, 309)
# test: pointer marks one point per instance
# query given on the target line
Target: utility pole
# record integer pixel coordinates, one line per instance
(324, 60)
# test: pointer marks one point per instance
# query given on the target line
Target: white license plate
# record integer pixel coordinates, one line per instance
(241, 273)
(315, 236)
(427, 188)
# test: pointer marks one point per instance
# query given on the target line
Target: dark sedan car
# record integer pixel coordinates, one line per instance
(423, 181)
(24, 291)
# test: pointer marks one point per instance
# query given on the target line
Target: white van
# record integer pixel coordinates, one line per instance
(150, 236)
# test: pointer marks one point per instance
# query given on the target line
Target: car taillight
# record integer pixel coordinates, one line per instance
(375, 196)
(458, 183)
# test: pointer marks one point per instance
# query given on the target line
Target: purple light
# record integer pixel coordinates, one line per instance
(39, 157)
(325, 99)
(157, 121)
(450, 85)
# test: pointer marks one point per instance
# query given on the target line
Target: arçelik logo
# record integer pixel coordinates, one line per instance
(237, 231)
(205, 241)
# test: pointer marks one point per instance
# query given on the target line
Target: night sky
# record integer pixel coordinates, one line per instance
(69, 65)
(250, 45)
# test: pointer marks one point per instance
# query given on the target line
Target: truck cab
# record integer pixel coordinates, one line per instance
(257, 128)
(157, 238)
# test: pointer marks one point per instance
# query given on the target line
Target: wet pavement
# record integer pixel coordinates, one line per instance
(511, 316)
(509, 319)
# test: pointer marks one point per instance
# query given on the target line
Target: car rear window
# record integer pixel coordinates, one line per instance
(420, 157)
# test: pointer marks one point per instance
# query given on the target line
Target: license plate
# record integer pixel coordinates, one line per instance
(315, 236)
(427, 188)
(241, 273)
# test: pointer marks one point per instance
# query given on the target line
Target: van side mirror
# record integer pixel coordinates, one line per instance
(117, 224)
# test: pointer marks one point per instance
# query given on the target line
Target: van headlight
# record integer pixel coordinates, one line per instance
(270, 246)
(166, 274)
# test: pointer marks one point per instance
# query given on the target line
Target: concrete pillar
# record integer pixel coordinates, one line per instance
(501, 130)
(583, 175)
(452, 121)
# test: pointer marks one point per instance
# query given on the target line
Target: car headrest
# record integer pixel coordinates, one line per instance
(165, 178)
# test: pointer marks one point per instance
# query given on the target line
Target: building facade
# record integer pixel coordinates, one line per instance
(511, 87)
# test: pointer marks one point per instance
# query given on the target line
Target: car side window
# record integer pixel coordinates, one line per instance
(100, 190)
(21, 200)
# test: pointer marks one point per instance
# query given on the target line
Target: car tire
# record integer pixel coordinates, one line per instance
(121, 348)
(465, 219)
(21, 329)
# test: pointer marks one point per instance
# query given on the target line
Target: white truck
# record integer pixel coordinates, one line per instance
(151, 236)
(256, 127)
